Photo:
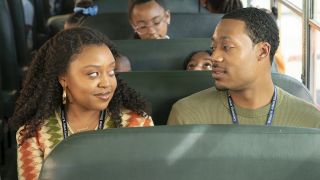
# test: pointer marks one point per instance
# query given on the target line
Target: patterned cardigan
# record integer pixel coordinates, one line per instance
(35, 149)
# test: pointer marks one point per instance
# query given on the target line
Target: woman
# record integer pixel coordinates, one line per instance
(71, 87)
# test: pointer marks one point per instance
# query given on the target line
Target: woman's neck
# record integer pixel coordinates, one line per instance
(80, 119)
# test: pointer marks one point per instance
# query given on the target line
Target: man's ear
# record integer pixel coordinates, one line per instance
(168, 14)
(263, 50)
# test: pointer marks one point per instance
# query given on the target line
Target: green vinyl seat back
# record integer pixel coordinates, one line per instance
(155, 55)
(163, 88)
(180, 6)
(184, 25)
(203, 152)
(8, 60)
(18, 22)
(113, 25)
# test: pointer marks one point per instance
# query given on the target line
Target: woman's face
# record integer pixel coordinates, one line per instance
(200, 61)
(90, 80)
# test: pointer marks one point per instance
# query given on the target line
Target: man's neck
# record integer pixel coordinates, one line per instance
(253, 97)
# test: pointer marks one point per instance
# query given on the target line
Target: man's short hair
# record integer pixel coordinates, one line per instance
(260, 26)
(133, 3)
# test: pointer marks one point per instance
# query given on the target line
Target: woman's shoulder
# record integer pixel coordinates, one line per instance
(133, 119)
(49, 127)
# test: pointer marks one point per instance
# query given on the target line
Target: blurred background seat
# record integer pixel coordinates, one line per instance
(168, 54)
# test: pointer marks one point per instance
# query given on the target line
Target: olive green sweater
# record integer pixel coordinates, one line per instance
(211, 107)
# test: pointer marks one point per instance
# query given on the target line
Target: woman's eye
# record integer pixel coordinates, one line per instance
(207, 66)
(190, 66)
(94, 74)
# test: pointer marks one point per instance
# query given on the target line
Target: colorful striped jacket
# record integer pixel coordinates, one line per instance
(34, 150)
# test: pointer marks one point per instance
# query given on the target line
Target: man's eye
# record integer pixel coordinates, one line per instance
(227, 47)
(94, 74)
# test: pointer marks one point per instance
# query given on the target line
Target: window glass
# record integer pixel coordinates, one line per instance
(290, 26)
(315, 56)
(317, 10)
(298, 3)
(260, 4)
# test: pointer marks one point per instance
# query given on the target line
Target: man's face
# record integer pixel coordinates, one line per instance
(234, 55)
(150, 20)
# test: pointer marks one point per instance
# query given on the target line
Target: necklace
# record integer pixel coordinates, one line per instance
(65, 125)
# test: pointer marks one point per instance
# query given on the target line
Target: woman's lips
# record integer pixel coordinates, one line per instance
(103, 95)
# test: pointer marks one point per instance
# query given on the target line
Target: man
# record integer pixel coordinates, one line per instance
(149, 19)
(244, 44)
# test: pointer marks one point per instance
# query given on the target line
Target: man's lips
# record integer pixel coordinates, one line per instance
(218, 72)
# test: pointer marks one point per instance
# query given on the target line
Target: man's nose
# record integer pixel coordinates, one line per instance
(216, 56)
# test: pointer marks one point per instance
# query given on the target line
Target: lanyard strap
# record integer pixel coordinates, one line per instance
(233, 112)
(65, 126)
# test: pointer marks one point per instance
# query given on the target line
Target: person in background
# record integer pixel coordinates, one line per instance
(71, 87)
(122, 63)
(198, 60)
(82, 10)
(221, 6)
(243, 47)
(149, 19)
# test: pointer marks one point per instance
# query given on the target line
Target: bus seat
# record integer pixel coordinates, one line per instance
(116, 6)
(184, 25)
(114, 25)
(56, 23)
(163, 88)
(8, 60)
(112, 6)
(17, 15)
(166, 54)
(292, 86)
(188, 152)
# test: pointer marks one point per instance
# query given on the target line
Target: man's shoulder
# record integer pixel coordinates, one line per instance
(296, 104)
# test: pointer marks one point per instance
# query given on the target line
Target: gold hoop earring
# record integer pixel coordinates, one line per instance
(64, 97)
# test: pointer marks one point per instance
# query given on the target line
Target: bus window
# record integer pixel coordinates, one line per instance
(291, 41)
(316, 56)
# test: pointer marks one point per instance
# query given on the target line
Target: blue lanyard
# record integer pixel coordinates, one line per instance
(270, 114)
(65, 126)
